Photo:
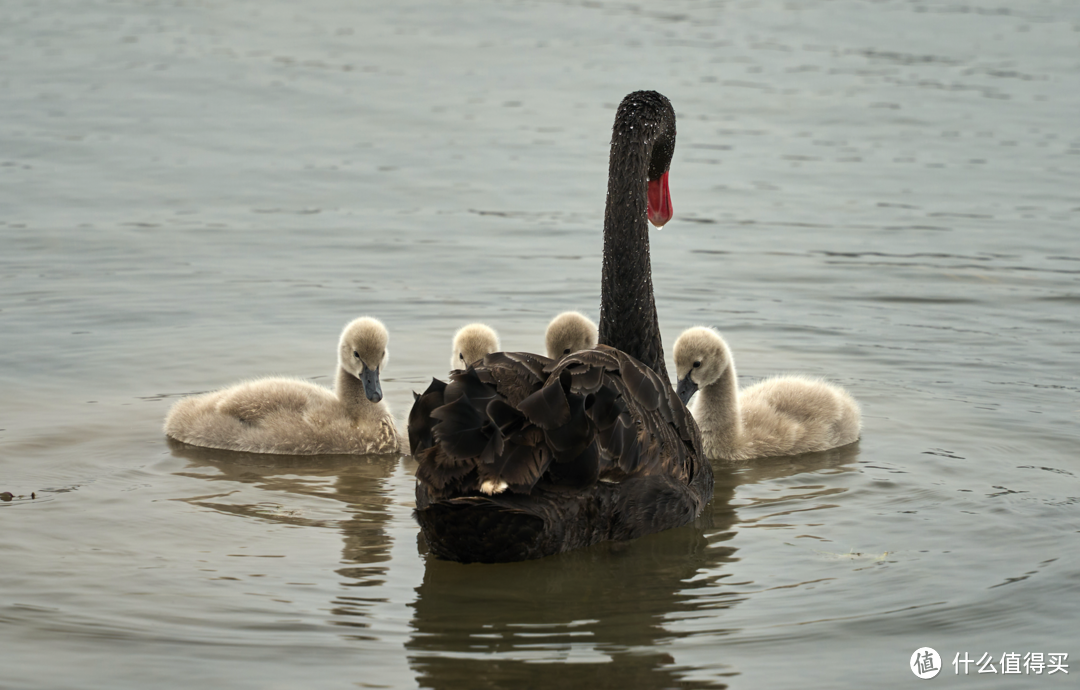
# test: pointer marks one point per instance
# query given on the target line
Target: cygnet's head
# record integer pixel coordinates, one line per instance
(569, 332)
(471, 343)
(363, 353)
(701, 357)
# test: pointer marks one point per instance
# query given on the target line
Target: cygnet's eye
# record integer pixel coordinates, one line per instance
(356, 354)
(697, 364)
(461, 356)
(566, 351)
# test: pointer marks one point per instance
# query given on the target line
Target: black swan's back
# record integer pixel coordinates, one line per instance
(530, 457)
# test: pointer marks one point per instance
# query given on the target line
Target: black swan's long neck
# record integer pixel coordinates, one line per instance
(642, 142)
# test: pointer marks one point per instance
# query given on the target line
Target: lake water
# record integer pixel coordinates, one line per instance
(884, 193)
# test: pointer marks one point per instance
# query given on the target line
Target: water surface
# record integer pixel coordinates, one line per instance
(192, 193)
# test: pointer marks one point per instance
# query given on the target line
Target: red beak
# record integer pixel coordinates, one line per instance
(660, 211)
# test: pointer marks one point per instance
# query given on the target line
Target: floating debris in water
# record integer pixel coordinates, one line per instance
(852, 554)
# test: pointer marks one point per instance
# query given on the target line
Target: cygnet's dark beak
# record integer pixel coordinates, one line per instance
(372, 388)
(686, 389)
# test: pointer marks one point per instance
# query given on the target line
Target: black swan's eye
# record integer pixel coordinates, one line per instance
(566, 351)
(697, 364)
(356, 354)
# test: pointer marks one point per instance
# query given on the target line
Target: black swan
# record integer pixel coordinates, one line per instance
(782, 415)
(297, 417)
(521, 456)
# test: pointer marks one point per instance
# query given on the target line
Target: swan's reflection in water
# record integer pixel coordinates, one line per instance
(490, 625)
(611, 615)
(608, 615)
(360, 482)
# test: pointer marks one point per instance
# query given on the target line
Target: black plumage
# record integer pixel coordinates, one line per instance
(582, 458)
(420, 420)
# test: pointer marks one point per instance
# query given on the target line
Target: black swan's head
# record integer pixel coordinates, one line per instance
(644, 134)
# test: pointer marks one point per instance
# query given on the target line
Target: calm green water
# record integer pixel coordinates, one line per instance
(192, 193)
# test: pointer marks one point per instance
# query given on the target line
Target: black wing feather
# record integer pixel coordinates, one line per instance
(462, 432)
(420, 419)
(547, 408)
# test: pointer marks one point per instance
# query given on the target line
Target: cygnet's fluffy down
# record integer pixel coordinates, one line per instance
(569, 332)
(784, 415)
(295, 417)
(471, 343)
